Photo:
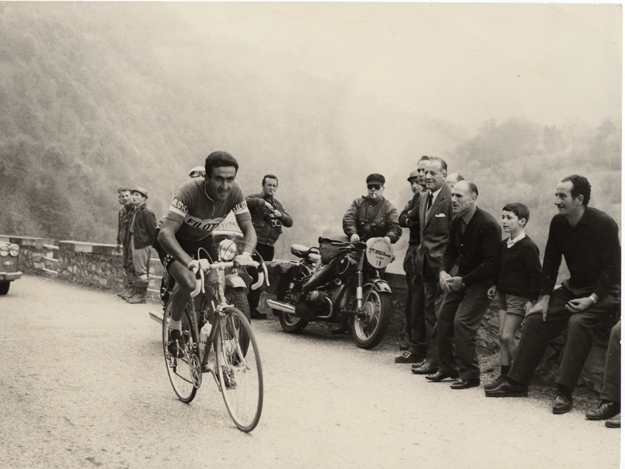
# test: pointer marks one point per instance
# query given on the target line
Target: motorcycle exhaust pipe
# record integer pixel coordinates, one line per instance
(278, 305)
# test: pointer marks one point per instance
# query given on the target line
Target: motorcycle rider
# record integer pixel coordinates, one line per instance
(371, 216)
(268, 218)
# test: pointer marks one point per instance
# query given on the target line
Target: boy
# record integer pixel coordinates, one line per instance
(517, 285)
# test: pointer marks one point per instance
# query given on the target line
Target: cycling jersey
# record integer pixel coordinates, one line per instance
(200, 214)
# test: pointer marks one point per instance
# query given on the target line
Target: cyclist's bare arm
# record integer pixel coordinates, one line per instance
(249, 235)
(167, 239)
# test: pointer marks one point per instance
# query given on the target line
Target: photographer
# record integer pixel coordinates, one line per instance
(268, 217)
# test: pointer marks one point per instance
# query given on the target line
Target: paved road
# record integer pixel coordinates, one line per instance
(84, 385)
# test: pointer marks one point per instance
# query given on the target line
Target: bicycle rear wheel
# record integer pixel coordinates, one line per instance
(239, 370)
(184, 372)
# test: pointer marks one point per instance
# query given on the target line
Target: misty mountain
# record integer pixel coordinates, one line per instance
(95, 96)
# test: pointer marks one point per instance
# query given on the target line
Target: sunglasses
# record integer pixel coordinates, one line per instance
(375, 187)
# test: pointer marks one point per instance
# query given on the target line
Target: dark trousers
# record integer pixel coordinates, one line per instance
(431, 300)
(415, 321)
(266, 252)
(456, 330)
(612, 376)
(580, 335)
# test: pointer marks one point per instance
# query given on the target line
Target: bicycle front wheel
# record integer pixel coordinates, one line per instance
(183, 371)
(239, 370)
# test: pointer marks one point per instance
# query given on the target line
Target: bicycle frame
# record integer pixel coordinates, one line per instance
(219, 310)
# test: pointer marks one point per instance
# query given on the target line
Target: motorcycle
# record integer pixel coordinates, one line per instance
(345, 287)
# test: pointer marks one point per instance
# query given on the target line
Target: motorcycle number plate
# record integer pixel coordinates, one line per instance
(379, 254)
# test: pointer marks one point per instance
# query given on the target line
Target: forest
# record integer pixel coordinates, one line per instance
(91, 100)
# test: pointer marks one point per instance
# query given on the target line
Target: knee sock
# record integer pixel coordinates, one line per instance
(174, 325)
(504, 370)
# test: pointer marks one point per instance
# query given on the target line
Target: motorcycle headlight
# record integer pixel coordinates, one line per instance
(14, 250)
(4, 250)
(227, 250)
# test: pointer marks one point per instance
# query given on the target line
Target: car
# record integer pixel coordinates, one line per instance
(9, 265)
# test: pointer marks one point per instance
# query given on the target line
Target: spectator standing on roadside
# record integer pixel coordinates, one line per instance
(409, 218)
(436, 214)
(142, 232)
(123, 240)
(474, 238)
(268, 218)
(517, 284)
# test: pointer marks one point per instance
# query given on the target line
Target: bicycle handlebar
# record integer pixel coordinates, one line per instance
(206, 267)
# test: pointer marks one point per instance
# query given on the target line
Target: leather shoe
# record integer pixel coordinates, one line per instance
(496, 383)
(425, 368)
(403, 347)
(465, 383)
(440, 376)
(409, 357)
(614, 422)
(606, 410)
(562, 404)
(507, 389)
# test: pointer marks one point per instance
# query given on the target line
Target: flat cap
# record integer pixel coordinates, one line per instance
(375, 178)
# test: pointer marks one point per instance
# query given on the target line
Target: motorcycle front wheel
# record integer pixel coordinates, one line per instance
(368, 330)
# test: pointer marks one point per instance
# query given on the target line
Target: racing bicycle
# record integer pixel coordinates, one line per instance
(230, 354)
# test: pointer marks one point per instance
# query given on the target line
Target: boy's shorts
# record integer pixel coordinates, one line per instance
(509, 303)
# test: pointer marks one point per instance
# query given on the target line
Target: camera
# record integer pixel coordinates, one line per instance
(271, 219)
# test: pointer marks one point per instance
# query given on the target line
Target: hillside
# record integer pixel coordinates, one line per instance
(94, 96)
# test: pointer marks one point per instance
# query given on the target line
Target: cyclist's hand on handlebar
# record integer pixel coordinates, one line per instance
(194, 265)
(354, 238)
(243, 260)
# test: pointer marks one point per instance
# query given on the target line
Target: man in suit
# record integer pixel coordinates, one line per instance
(435, 216)
(474, 239)
(588, 240)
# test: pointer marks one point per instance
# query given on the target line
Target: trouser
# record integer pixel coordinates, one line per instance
(127, 264)
(266, 252)
(141, 265)
(456, 330)
(415, 322)
(580, 335)
(612, 376)
(432, 297)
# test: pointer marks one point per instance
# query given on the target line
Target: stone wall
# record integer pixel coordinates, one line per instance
(100, 266)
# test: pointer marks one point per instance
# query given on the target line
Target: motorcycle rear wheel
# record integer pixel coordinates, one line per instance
(368, 331)
(291, 323)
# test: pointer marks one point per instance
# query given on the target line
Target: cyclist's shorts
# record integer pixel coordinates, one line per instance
(207, 244)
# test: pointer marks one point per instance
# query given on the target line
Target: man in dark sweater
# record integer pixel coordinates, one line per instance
(268, 217)
(588, 240)
(474, 238)
(409, 218)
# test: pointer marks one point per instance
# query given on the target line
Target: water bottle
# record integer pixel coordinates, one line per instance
(204, 334)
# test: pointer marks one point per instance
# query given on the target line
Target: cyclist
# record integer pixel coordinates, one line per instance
(200, 205)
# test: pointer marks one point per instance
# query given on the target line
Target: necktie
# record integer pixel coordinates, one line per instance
(429, 204)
